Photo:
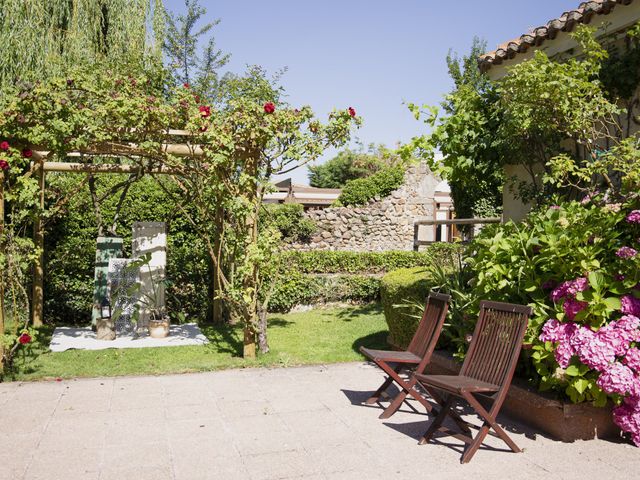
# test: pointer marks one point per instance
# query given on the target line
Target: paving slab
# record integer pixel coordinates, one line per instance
(260, 424)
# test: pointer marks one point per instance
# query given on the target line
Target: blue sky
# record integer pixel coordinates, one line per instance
(371, 55)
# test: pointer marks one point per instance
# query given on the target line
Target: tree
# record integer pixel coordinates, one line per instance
(351, 165)
(181, 46)
(466, 137)
(253, 136)
(41, 38)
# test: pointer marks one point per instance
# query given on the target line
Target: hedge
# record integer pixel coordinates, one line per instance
(335, 276)
(322, 261)
(401, 291)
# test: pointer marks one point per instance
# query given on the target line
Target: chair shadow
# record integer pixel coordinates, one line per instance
(377, 340)
(358, 398)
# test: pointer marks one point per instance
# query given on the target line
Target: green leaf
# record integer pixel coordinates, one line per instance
(572, 371)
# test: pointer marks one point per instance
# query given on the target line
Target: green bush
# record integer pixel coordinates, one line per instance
(400, 291)
(300, 289)
(289, 219)
(380, 184)
(322, 261)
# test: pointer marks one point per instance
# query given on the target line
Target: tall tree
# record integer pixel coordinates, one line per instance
(191, 64)
(43, 38)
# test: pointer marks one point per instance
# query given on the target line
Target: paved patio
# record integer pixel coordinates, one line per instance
(305, 423)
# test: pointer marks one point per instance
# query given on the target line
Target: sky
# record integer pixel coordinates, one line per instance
(372, 55)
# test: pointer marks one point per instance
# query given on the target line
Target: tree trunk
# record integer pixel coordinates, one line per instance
(249, 344)
(263, 344)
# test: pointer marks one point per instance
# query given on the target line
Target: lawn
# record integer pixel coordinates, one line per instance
(314, 337)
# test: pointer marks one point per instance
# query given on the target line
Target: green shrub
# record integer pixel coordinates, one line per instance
(380, 184)
(400, 290)
(289, 219)
(323, 261)
(300, 289)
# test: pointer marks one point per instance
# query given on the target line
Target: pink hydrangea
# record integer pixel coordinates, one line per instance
(618, 378)
(630, 305)
(626, 252)
(554, 331)
(627, 417)
(569, 289)
(634, 216)
(572, 307)
(593, 349)
(632, 359)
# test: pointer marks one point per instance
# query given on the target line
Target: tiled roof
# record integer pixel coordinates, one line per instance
(536, 36)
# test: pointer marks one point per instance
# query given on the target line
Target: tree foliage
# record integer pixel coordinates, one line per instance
(183, 40)
(352, 164)
(466, 137)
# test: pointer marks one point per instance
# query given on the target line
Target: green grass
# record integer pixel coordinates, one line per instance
(318, 336)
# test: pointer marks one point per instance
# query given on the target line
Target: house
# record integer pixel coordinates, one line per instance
(612, 18)
(309, 197)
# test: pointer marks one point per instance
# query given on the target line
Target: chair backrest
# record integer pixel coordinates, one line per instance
(496, 342)
(424, 341)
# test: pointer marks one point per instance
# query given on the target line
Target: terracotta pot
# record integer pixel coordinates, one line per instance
(159, 328)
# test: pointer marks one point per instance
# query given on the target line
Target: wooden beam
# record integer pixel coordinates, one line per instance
(37, 297)
(129, 149)
(70, 167)
(458, 221)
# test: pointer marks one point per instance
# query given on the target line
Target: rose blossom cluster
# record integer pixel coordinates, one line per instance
(602, 351)
(568, 291)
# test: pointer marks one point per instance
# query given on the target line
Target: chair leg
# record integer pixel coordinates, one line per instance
(406, 389)
(437, 422)
(378, 393)
(489, 422)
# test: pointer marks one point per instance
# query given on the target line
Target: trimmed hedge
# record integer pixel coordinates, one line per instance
(401, 291)
(323, 261)
(333, 276)
(301, 289)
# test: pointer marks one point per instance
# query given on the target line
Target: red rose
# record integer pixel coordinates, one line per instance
(27, 153)
(4, 146)
(24, 339)
(203, 128)
(352, 111)
(4, 165)
(185, 85)
(269, 107)
(205, 111)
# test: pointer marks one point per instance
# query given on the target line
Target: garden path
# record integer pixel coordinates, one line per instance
(304, 423)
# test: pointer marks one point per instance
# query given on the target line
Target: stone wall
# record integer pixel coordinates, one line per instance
(383, 224)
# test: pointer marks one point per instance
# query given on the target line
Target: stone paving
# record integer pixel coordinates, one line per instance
(259, 424)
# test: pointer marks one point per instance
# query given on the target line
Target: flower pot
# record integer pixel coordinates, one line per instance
(105, 329)
(158, 328)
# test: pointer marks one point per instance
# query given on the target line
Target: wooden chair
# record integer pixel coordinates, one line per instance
(487, 369)
(417, 355)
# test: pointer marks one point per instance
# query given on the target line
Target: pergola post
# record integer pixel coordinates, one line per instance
(37, 297)
(1, 279)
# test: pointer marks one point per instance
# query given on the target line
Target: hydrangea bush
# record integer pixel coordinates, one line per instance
(577, 264)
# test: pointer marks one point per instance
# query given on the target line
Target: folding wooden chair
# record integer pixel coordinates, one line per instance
(487, 369)
(418, 355)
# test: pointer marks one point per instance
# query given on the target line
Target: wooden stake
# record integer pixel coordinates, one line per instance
(37, 297)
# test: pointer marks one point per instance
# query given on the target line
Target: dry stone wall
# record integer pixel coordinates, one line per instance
(383, 224)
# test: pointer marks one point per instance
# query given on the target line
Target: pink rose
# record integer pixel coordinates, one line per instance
(269, 107)
(352, 111)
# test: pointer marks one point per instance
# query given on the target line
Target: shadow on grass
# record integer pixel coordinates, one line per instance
(224, 339)
(279, 322)
(348, 314)
(377, 340)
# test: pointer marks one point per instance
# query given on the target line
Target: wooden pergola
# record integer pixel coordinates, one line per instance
(43, 162)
